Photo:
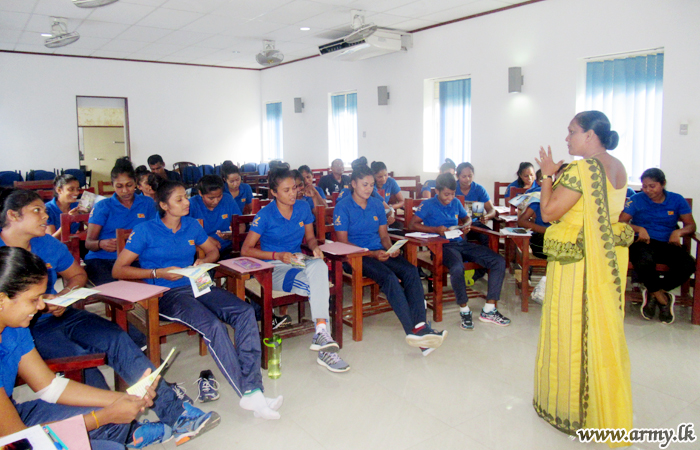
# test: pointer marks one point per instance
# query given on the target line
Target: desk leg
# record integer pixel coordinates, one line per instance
(337, 313)
(524, 278)
(266, 287)
(152, 325)
(437, 282)
(356, 264)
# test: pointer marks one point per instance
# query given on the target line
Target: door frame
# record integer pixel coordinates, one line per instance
(127, 128)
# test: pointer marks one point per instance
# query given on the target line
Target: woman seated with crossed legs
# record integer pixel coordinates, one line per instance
(280, 227)
(359, 220)
(436, 215)
(169, 242)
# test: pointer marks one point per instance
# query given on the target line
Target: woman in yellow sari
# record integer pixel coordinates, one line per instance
(582, 374)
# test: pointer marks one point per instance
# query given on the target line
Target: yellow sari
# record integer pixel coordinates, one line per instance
(582, 374)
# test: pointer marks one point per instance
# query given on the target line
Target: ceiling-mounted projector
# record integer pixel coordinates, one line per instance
(60, 35)
(92, 3)
(269, 56)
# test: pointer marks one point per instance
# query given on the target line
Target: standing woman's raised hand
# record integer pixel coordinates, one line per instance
(546, 162)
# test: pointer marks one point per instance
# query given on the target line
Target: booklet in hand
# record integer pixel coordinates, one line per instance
(397, 245)
(140, 388)
(72, 297)
(199, 277)
(299, 260)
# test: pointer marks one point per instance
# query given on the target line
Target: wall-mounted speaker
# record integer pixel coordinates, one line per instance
(383, 95)
(515, 79)
(298, 105)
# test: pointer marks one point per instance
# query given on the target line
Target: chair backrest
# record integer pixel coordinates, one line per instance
(39, 175)
(238, 236)
(257, 204)
(105, 188)
(409, 205)
(207, 169)
(180, 165)
(67, 220)
(334, 198)
(413, 187)
(8, 178)
(263, 168)
(34, 185)
(324, 222)
(191, 175)
(249, 167)
(497, 193)
(79, 174)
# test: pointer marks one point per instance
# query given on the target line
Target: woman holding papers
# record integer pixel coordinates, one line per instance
(62, 332)
(280, 227)
(360, 220)
(169, 242)
(438, 215)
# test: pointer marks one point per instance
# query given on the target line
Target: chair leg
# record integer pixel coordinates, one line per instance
(152, 325)
(202, 346)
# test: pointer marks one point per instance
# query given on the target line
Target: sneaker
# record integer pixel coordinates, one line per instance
(666, 314)
(426, 337)
(648, 307)
(149, 433)
(179, 390)
(281, 321)
(208, 387)
(495, 318)
(426, 351)
(323, 342)
(193, 422)
(467, 323)
(332, 362)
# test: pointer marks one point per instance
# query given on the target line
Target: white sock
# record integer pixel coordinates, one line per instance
(321, 326)
(488, 307)
(464, 309)
(255, 401)
(274, 403)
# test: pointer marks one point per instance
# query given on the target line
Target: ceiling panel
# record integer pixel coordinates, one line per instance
(247, 9)
(9, 36)
(198, 6)
(144, 34)
(13, 20)
(169, 18)
(101, 29)
(61, 8)
(296, 11)
(17, 5)
(123, 46)
(121, 12)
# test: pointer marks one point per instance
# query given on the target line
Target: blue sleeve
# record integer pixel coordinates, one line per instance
(54, 216)
(308, 214)
(381, 215)
(259, 224)
(341, 218)
(683, 206)
(395, 189)
(99, 214)
(630, 192)
(320, 192)
(25, 342)
(138, 239)
(248, 194)
(233, 208)
(65, 259)
(483, 195)
(423, 210)
(631, 205)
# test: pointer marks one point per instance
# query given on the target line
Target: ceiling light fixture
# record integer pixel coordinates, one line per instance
(304, 28)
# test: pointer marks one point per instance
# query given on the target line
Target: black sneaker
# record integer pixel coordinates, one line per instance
(281, 321)
(467, 323)
(666, 311)
(426, 337)
(648, 305)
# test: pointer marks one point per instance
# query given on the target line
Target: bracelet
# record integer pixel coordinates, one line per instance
(94, 416)
(273, 255)
(154, 274)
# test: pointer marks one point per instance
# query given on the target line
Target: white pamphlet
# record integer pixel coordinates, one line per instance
(140, 388)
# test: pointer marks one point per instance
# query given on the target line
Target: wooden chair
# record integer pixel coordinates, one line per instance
(257, 204)
(499, 192)
(105, 188)
(145, 317)
(433, 261)
(686, 298)
(180, 166)
(352, 315)
(414, 187)
(72, 367)
(42, 187)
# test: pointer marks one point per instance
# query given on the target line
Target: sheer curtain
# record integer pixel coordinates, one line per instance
(273, 131)
(342, 136)
(630, 92)
(454, 120)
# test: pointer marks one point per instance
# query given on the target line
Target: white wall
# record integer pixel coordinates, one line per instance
(547, 39)
(198, 114)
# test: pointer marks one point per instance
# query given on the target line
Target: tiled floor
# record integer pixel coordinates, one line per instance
(474, 392)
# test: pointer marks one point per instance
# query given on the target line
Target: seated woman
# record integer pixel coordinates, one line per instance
(241, 192)
(654, 214)
(280, 228)
(215, 209)
(308, 192)
(347, 193)
(62, 332)
(359, 220)
(447, 167)
(124, 209)
(169, 242)
(437, 215)
(474, 193)
(382, 180)
(146, 181)
(65, 201)
(526, 178)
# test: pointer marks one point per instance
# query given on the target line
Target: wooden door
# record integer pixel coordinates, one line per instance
(102, 147)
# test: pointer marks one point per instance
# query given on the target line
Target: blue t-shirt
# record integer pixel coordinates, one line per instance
(535, 207)
(310, 200)
(630, 192)
(535, 188)
(362, 225)
(16, 342)
(477, 193)
(428, 186)
(54, 253)
(435, 214)
(516, 184)
(158, 247)
(391, 187)
(217, 220)
(659, 219)
(55, 212)
(244, 197)
(277, 234)
(347, 193)
(110, 215)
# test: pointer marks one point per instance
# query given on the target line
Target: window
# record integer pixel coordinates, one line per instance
(273, 132)
(447, 122)
(629, 90)
(342, 127)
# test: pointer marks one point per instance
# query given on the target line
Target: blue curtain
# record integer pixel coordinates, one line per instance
(454, 132)
(630, 92)
(273, 114)
(342, 138)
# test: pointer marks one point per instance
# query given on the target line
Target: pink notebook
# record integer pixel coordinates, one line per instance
(245, 264)
(338, 248)
(130, 291)
(72, 432)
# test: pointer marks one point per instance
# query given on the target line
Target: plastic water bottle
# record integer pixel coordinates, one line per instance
(274, 356)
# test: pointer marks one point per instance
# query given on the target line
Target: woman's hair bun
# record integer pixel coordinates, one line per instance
(613, 140)
(361, 161)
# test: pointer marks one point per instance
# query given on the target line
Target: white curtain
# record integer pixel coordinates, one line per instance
(343, 127)
(273, 131)
(454, 123)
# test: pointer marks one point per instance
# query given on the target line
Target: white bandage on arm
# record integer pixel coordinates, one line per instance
(53, 391)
